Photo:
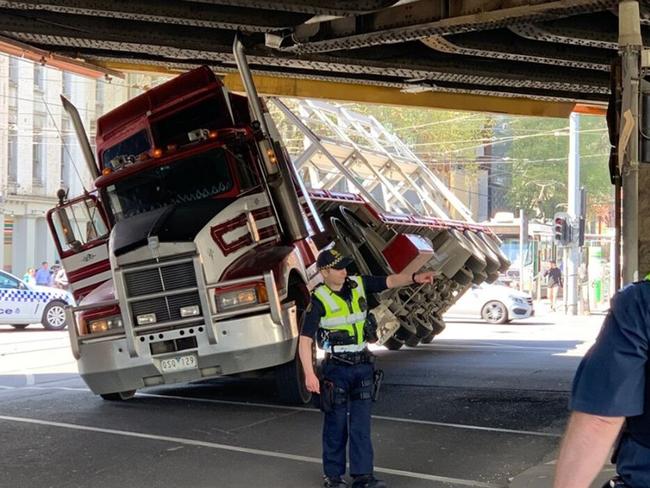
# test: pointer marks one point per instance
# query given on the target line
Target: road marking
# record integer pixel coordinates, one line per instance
(245, 450)
(304, 409)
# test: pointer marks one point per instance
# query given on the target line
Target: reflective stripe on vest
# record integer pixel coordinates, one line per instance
(341, 315)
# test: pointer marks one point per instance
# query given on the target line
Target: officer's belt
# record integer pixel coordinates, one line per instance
(347, 348)
(350, 358)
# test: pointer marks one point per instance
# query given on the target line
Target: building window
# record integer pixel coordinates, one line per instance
(13, 70)
(67, 84)
(99, 98)
(12, 157)
(38, 161)
(66, 160)
(39, 77)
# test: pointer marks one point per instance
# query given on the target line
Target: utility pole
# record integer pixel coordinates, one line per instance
(572, 251)
(630, 47)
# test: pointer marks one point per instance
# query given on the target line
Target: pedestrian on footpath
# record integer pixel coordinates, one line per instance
(553, 277)
(337, 318)
(611, 395)
(43, 275)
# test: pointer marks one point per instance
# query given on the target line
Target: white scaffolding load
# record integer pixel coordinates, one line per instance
(353, 152)
(382, 206)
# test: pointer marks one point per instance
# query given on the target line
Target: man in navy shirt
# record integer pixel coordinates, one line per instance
(43, 275)
(612, 388)
(337, 315)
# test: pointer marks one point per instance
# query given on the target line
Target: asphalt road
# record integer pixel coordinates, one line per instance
(477, 407)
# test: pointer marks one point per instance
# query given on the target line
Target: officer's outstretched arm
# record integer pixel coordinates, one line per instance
(586, 445)
(304, 350)
(404, 279)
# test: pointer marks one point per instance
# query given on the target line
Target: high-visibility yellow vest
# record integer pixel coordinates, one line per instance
(343, 315)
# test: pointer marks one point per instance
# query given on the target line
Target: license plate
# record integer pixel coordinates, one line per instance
(179, 363)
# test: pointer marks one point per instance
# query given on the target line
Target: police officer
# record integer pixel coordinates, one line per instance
(337, 317)
(612, 389)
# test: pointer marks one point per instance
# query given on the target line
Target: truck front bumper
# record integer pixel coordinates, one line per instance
(243, 344)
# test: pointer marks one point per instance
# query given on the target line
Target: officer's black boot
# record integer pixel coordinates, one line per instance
(334, 482)
(367, 481)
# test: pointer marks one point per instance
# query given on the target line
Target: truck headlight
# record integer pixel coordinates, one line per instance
(230, 300)
(105, 324)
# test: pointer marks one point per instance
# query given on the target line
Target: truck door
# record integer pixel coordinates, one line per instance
(80, 230)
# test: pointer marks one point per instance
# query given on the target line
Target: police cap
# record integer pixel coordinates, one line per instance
(332, 259)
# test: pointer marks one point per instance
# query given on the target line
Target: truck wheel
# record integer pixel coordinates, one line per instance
(428, 339)
(290, 377)
(119, 396)
(19, 326)
(54, 315)
(393, 344)
(290, 383)
(412, 341)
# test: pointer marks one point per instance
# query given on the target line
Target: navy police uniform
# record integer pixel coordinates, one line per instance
(613, 380)
(347, 373)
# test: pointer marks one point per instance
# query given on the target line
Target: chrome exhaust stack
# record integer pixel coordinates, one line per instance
(276, 163)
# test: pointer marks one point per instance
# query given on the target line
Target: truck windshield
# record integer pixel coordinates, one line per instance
(196, 178)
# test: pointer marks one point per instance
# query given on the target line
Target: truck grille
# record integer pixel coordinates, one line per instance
(160, 281)
(157, 280)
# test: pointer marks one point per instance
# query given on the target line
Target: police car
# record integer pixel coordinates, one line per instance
(22, 304)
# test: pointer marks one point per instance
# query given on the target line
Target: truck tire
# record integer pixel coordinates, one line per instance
(393, 344)
(428, 339)
(290, 377)
(290, 383)
(119, 396)
(54, 315)
(412, 341)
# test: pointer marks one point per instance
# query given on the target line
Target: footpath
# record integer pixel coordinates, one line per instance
(541, 476)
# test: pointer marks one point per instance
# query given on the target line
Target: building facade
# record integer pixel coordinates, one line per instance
(39, 152)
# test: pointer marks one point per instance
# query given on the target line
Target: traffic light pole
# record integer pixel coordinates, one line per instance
(572, 251)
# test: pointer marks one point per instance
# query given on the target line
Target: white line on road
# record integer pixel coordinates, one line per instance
(245, 450)
(311, 410)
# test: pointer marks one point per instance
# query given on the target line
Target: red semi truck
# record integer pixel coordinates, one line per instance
(194, 256)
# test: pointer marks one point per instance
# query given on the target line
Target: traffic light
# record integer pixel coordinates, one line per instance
(561, 228)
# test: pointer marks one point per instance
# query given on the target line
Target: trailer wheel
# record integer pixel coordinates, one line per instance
(119, 396)
(428, 339)
(393, 344)
(412, 341)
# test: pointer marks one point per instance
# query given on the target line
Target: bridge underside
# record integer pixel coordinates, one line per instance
(520, 56)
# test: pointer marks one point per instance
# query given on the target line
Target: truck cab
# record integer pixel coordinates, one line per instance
(182, 257)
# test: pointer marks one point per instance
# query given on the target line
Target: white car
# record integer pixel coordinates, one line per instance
(22, 304)
(496, 304)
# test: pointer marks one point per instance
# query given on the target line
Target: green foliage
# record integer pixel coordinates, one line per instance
(539, 152)
(537, 148)
(534, 150)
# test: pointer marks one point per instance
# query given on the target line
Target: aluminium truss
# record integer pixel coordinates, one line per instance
(347, 151)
